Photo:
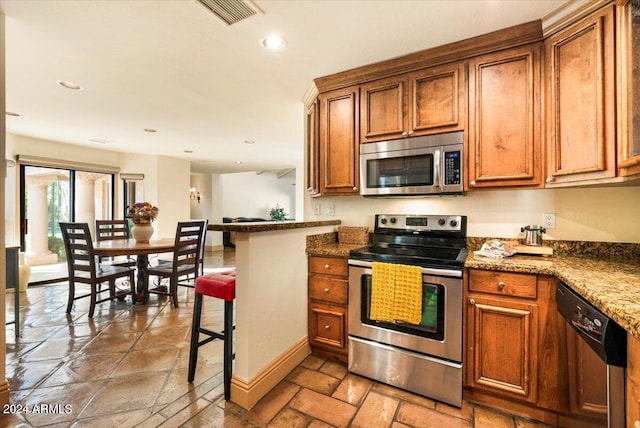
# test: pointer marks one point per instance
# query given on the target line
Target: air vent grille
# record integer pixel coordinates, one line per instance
(231, 11)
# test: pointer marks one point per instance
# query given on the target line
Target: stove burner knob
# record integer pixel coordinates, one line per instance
(442, 222)
(453, 223)
(383, 220)
(393, 220)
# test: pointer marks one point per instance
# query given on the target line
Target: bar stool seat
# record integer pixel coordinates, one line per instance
(221, 286)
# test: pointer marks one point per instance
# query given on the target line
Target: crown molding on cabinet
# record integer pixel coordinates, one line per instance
(570, 13)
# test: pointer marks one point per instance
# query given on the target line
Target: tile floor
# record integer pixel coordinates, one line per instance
(128, 367)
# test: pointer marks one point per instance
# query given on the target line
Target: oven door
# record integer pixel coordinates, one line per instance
(440, 330)
(401, 172)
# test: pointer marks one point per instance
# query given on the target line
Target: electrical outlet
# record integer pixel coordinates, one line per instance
(549, 220)
(316, 208)
(330, 209)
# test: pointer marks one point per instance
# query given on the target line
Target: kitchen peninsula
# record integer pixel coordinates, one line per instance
(271, 303)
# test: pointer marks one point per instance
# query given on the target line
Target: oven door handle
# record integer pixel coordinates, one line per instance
(425, 271)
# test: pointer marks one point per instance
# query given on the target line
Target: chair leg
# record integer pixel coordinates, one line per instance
(195, 336)
(173, 290)
(72, 294)
(92, 305)
(228, 347)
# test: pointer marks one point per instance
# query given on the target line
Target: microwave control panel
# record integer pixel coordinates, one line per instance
(452, 169)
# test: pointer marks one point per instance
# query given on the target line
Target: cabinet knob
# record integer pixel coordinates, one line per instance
(327, 266)
(501, 285)
(327, 327)
(472, 302)
(405, 133)
(473, 183)
(636, 424)
(326, 290)
(549, 180)
(410, 132)
(355, 188)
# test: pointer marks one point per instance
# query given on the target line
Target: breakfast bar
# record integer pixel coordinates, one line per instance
(271, 303)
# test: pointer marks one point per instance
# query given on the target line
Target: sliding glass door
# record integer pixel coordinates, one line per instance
(52, 195)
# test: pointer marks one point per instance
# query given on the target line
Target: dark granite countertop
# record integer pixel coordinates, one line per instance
(265, 226)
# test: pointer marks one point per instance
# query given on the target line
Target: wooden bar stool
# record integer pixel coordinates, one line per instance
(221, 286)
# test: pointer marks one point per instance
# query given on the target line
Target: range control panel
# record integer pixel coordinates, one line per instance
(419, 223)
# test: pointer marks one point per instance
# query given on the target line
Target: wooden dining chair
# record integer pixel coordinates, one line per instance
(83, 269)
(112, 230)
(185, 262)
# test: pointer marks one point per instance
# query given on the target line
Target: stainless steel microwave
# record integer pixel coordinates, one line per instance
(428, 165)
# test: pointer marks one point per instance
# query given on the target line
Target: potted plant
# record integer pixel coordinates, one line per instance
(277, 213)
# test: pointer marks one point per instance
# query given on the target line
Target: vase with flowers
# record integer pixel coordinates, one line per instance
(142, 215)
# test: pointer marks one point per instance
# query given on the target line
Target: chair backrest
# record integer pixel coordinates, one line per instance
(78, 245)
(203, 241)
(186, 256)
(109, 230)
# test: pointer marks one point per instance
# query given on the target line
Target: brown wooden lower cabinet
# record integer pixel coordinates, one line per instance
(328, 293)
(521, 355)
(633, 382)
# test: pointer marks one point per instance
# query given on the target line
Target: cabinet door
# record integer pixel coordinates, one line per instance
(437, 99)
(339, 142)
(383, 114)
(312, 177)
(633, 382)
(328, 326)
(628, 86)
(504, 119)
(581, 100)
(502, 347)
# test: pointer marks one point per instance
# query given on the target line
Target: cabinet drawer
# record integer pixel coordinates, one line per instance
(328, 325)
(328, 266)
(503, 283)
(328, 289)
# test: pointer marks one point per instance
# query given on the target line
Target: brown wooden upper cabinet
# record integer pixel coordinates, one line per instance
(339, 141)
(427, 101)
(628, 85)
(504, 119)
(581, 105)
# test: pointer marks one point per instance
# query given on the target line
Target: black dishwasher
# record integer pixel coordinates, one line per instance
(607, 338)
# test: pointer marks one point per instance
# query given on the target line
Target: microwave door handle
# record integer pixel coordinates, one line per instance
(437, 161)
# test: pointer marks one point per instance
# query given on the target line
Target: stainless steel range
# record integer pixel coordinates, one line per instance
(423, 357)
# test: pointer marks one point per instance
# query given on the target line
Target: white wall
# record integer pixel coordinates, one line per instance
(582, 214)
(249, 194)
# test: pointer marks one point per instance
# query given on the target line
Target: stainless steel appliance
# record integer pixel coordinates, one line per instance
(607, 339)
(427, 165)
(424, 358)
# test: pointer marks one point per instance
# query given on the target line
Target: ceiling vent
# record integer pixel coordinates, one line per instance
(231, 11)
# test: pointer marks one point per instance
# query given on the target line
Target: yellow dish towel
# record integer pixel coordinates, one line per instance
(407, 303)
(396, 293)
(382, 292)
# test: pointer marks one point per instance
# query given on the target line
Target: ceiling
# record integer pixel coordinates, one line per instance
(207, 87)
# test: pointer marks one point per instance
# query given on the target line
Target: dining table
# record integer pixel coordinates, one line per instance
(142, 250)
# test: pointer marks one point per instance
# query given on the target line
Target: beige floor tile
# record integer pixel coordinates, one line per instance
(422, 417)
(272, 403)
(29, 375)
(352, 389)
(213, 416)
(487, 418)
(334, 368)
(110, 343)
(289, 418)
(162, 337)
(327, 409)
(119, 420)
(377, 411)
(59, 404)
(147, 360)
(56, 349)
(313, 362)
(466, 412)
(314, 380)
(85, 368)
(404, 395)
(126, 394)
(187, 413)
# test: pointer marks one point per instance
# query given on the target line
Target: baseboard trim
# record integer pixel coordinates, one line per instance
(247, 394)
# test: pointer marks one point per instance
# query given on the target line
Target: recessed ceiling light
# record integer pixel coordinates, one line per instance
(238, 162)
(69, 85)
(150, 130)
(249, 142)
(188, 151)
(274, 42)
(10, 113)
(99, 141)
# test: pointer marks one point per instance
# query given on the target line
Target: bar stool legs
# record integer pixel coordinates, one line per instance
(226, 335)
